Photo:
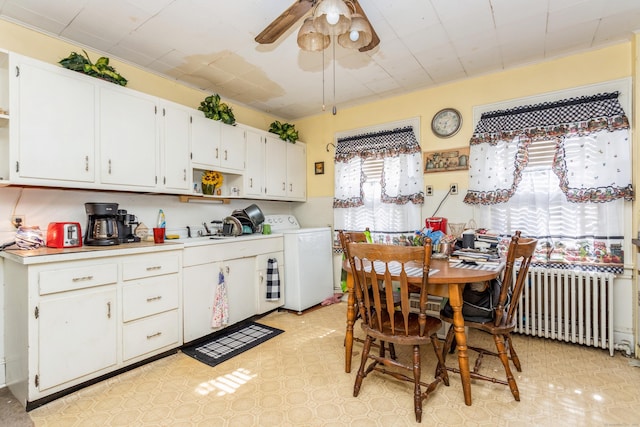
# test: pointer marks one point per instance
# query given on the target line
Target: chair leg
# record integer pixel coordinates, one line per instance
(417, 393)
(502, 353)
(363, 361)
(441, 370)
(514, 355)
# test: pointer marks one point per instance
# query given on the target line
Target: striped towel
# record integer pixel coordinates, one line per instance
(273, 280)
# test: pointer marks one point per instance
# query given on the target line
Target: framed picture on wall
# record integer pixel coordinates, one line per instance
(319, 168)
(446, 160)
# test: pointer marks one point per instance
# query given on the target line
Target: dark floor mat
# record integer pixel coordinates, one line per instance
(231, 343)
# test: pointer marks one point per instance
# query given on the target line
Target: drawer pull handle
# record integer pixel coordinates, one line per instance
(158, 298)
(157, 267)
(82, 279)
(157, 334)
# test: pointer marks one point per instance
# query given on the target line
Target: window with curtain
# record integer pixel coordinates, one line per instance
(558, 171)
(378, 184)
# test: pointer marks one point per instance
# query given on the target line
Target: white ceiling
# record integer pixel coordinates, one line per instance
(210, 45)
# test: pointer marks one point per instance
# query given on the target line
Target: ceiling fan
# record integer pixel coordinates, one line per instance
(299, 9)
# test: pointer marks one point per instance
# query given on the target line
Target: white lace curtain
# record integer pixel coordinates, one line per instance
(391, 203)
(574, 205)
(592, 157)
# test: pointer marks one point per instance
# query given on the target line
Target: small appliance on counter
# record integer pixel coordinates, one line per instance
(243, 221)
(64, 235)
(126, 222)
(102, 224)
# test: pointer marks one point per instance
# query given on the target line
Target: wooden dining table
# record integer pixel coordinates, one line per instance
(446, 279)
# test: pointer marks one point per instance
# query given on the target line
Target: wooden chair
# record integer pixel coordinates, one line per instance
(503, 321)
(347, 237)
(382, 320)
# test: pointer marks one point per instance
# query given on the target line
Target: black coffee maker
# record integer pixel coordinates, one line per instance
(126, 222)
(102, 225)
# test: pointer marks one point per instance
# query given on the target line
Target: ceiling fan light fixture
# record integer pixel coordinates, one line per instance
(332, 17)
(358, 35)
(310, 39)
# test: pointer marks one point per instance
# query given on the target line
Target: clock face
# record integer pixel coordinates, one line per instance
(446, 122)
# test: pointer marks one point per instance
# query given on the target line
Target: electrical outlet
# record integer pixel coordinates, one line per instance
(453, 189)
(18, 220)
(429, 190)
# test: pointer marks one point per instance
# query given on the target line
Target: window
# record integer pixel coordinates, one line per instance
(378, 182)
(559, 171)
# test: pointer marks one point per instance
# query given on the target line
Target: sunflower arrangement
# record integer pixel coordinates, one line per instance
(210, 181)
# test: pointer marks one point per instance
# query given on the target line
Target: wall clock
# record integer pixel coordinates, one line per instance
(446, 122)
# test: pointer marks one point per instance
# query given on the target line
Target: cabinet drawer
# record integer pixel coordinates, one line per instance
(69, 279)
(150, 334)
(150, 265)
(150, 296)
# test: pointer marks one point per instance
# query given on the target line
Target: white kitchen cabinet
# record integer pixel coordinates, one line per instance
(241, 288)
(199, 289)
(286, 170)
(202, 265)
(232, 148)
(73, 317)
(297, 172)
(175, 148)
(276, 167)
(53, 124)
(77, 335)
(205, 141)
(263, 305)
(128, 139)
(255, 169)
(4, 117)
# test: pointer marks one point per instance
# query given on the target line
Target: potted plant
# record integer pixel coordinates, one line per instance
(216, 110)
(101, 69)
(286, 131)
(210, 181)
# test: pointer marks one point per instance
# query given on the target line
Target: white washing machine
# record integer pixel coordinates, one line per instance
(308, 263)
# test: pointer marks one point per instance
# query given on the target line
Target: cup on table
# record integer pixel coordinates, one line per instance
(266, 228)
(158, 235)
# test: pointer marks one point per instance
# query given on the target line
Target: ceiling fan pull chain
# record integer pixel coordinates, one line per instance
(333, 46)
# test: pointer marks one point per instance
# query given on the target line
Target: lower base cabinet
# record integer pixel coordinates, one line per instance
(76, 320)
(239, 262)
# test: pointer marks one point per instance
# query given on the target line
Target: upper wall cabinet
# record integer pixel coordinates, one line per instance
(53, 124)
(128, 139)
(215, 145)
(175, 147)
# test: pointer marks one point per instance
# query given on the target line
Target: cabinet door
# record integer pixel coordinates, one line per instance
(175, 147)
(205, 142)
(128, 138)
(199, 287)
(77, 335)
(254, 174)
(53, 122)
(296, 171)
(241, 288)
(276, 171)
(232, 148)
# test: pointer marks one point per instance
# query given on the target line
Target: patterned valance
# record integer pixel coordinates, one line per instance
(401, 179)
(591, 136)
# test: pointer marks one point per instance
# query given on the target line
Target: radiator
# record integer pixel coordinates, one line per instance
(568, 305)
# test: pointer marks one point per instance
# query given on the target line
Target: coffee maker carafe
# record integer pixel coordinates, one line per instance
(126, 222)
(102, 226)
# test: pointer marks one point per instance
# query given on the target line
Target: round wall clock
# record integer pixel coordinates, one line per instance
(446, 122)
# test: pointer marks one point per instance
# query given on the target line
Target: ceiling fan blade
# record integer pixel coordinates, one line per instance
(283, 22)
(375, 40)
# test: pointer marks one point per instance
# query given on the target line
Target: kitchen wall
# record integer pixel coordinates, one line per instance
(610, 63)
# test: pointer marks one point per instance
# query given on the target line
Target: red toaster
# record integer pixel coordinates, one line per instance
(64, 235)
